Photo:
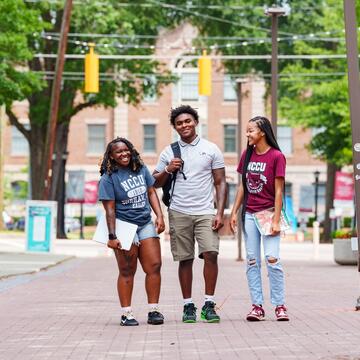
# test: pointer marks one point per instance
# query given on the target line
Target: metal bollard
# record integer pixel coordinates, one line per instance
(316, 239)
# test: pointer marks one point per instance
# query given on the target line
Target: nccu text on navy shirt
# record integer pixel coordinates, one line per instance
(129, 190)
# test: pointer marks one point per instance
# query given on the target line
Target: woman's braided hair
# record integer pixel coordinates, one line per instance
(264, 125)
(109, 165)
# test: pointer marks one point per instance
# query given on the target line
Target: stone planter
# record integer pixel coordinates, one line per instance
(343, 254)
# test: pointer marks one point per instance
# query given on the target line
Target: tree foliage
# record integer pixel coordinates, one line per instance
(320, 99)
(17, 24)
(127, 79)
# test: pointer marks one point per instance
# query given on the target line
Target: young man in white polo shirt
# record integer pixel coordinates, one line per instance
(191, 210)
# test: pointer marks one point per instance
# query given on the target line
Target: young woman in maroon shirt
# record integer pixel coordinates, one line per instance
(262, 167)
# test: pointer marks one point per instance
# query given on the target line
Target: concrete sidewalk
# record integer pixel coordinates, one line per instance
(14, 260)
(12, 264)
(71, 311)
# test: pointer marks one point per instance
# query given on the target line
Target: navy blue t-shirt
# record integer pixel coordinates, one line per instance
(129, 190)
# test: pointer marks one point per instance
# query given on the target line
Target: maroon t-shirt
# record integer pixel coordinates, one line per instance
(260, 178)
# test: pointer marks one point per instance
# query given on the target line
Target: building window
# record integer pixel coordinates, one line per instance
(230, 138)
(19, 144)
(189, 86)
(96, 139)
(149, 138)
(284, 138)
(229, 89)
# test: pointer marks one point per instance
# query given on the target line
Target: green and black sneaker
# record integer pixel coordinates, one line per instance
(189, 315)
(208, 312)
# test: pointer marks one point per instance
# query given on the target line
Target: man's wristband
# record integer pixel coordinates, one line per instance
(112, 236)
(167, 171)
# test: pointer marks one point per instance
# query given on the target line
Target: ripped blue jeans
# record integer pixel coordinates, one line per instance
(271, 246)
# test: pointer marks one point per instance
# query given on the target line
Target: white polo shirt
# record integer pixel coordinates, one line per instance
(195, 195)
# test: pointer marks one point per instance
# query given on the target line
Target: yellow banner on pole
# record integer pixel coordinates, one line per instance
(91, 71)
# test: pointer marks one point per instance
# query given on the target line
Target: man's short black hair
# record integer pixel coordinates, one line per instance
(183, 109)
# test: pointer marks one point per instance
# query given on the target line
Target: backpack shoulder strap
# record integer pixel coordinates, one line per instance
(177, 153)
(175, 146)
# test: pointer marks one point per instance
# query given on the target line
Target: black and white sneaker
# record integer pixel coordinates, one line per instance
(155, 318)
(128, 320)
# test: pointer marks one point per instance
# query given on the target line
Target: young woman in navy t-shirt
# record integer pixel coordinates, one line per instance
(126, 189)
(262, 166)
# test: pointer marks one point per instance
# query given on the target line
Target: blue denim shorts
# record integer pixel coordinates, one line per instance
(144, 232)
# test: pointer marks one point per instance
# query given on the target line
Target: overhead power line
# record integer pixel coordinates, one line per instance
(148, 76)
(195, 57)
(244, 42)
(225, 38)
(215, 18)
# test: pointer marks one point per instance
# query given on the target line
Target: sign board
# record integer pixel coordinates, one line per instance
(344, 193)
(289, 209)
(75, 187)
(40, 225)
(344, 186)
(91, 192)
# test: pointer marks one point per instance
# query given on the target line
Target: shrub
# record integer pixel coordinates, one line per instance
(343, 233)
(90, 220)
(310, 221)
(347, 222)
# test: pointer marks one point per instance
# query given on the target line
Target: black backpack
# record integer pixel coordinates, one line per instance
(166, 198)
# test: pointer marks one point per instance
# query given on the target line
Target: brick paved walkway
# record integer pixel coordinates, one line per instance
(71, 312)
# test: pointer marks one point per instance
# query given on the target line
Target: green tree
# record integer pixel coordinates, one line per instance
(128, 79)
(17, 24)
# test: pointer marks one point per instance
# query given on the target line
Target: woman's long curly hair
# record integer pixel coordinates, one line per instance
(109, 165)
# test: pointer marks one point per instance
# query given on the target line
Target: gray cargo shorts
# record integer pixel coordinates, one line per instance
(184, 229)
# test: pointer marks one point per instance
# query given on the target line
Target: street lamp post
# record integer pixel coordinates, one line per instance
(274, 12)
(316, 174)
(61, 189)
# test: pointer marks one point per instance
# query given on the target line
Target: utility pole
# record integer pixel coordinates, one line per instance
(2, 118)
(55, 96)
(354, 98)
(274, 12)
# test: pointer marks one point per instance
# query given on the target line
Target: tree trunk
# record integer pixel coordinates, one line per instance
(330, 186)
(37, 161)
(58, 190)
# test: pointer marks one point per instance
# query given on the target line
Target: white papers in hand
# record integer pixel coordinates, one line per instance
(125, 232)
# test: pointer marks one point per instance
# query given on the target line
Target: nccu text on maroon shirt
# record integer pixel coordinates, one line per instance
(260, 178)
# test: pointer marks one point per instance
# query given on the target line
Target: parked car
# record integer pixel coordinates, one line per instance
(72, 224)
(8, 221)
